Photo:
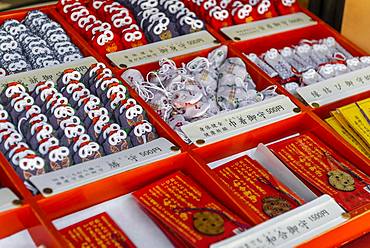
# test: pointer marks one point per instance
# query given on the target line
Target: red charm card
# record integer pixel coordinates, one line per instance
(253, 184)
(188, 211)
(324, 169)
(97, 231)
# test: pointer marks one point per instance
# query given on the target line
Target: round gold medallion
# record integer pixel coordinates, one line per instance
(341, 180)
(208, 223)
(274, 206)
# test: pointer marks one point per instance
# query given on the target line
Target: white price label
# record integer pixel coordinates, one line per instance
(7, 198)
(59, 181)
(163, 49)
(241, 120)
(337, 88)
(31, 78)
(268, 26)
(290, 228)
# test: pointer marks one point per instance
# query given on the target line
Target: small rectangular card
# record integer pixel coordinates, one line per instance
(358, 117)
(188, 211)
(324, 169)
(257, 188)
(97, 231)
(349, 135)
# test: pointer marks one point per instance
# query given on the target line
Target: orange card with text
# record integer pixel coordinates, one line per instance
(95, 232)
(309, 158)
(257, 188)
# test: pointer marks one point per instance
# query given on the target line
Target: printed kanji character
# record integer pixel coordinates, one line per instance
(252, 118)
(282, 235)
(261, 115)
(132, 158)
(349, 83)
(338, 86)
(316, 94)
(232, 123)
(242, 120)
(292, 229)
(326, 90)
(303, 224)
(271, 239)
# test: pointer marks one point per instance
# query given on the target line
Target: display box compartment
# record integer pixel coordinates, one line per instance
(121, 185)
(39, 217)
(51, 11)
(324, 112)
(25, 227)
(118, 57)
(268, 134)
(302, 123)
(158, 149)
(289, 38)
(290, 108)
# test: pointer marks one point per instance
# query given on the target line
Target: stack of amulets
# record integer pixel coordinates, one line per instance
(76, 119)
(224, 13)
(111, 26)
(36, 42)
(201, 88)
(309, 62)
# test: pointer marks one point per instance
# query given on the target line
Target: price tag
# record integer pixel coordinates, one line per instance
(290, 228)
(163, 49)
(268, 26)
(241, 120)
(7, 198)
(59, 181)
(31, 78)
(337, 88)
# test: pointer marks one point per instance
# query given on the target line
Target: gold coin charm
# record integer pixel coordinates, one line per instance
(274, 206)
(341, 180)
(208, 223)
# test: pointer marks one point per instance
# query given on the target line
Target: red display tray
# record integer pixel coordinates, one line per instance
(36, 213)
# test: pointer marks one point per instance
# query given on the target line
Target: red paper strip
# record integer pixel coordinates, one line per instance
(97, 231)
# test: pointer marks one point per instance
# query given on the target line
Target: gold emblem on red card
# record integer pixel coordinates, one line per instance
(208, 223)
(341, 181)
(274, 206)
